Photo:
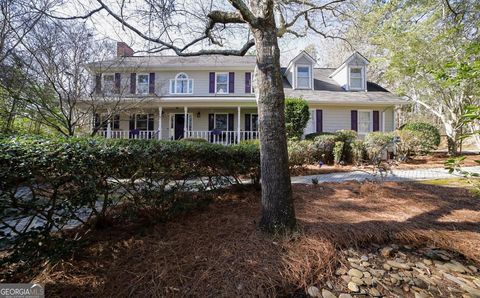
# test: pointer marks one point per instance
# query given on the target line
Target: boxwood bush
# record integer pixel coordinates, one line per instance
(48, 184)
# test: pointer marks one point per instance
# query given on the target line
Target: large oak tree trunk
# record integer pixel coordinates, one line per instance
(278, 215)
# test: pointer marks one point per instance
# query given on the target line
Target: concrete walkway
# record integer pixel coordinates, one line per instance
(394, 175)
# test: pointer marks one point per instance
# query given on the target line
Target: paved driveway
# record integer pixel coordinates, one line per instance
(394, 175)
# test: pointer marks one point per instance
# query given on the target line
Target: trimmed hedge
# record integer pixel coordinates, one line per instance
(51, 183)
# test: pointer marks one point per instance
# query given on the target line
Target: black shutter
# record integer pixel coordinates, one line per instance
(116, 121)
(117, 82)
(211, 122)
(247, 122)
(133, 83)
(354, 119)
(230, 122)
(150, 122)
(248, 82)
(132, 122)
(151, 83)
(98, 83)
(97, 121)
(376, 121)
(211, 83)
(319, 122)
(231, 82)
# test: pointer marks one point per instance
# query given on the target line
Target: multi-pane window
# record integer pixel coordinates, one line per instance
(364, 122)
(181, 84)
(303, 77)
(141, 122)
(101, 121)
(356, 78)
(221, 121)
(221, 82)
(142, 83)
(108, 83)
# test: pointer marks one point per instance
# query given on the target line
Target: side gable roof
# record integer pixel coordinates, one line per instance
(352, 56)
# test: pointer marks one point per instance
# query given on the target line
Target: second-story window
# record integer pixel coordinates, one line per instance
(142, 83)
(303, 77)
(108, 83)
(221, 82)
(356, 78)
(181, 84)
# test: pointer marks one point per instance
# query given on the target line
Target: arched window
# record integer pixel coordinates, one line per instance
(181, 84)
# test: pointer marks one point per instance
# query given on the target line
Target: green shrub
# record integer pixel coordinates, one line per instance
(429, 135)
(410, 143)
(53, 182)
(296, 116)
(313, 135)
(300, 153)
(338, 152)
(358, 152)
(323, 148)
(346, 135)
(377, 141)
(198, 140)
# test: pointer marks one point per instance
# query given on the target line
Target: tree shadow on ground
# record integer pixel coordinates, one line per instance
(219, 251)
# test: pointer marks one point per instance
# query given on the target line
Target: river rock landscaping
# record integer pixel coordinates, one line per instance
(401, 271)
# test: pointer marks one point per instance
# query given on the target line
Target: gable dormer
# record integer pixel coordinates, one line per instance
(299, 72)
(352, 74)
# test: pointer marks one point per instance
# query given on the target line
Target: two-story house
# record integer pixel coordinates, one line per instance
(212, 97)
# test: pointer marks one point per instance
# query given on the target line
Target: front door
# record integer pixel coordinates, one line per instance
(179, 126)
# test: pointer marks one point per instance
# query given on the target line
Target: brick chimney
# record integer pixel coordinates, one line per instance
(123, 50)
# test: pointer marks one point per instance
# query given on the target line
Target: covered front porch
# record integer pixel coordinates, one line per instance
(221, 125)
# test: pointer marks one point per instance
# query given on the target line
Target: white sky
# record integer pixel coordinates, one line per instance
(108, 28)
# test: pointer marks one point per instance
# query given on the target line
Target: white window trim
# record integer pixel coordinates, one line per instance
(148, 83)
(175, 84)
(251, 121)
(358, 121)
(310, 81)
(228, 82)
(215, 120)
(103, 83)
(153, 117)
(172, 123)
(363, 78)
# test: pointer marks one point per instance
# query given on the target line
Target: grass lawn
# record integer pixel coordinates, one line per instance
(218, 251)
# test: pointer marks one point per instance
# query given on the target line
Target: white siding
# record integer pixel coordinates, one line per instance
(339, 117)
(201, 80)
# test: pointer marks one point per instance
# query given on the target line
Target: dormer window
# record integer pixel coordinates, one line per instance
(181, 84)
(356, 78)
(304, 77)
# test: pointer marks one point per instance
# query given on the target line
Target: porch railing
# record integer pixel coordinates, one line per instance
(226, 137)
(129, 134)
(217, 137)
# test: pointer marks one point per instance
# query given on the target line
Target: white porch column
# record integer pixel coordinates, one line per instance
(159, 135)
(109, 124)
(185, 123)
(92, 123)
(238, 125)
(383, 120)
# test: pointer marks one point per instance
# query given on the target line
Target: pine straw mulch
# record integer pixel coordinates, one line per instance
(434, 160)
(218, 251)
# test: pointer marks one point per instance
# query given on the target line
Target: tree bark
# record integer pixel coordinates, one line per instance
(278, 214)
